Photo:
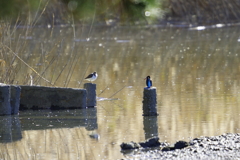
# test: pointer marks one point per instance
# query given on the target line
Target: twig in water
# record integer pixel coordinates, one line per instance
(31, 80)
(57, 63)
(73, 64)
(50, 63)
(117, 104)
(60, 73)
(83, 75)
(69, 62)
(73, 25)
(40, 15)
(104, 108)
(28, 65)
(102, 91)
(117, 92)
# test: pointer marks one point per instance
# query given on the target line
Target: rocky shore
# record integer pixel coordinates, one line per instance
(223, 147)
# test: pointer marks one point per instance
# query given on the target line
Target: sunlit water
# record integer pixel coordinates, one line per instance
(196, 73)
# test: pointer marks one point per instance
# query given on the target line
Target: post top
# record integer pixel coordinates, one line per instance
(151, 88)
(89, 84)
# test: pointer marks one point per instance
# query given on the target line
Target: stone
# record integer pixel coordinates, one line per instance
(168, 148)
(151, 142)
(130, 145)
(181, 144)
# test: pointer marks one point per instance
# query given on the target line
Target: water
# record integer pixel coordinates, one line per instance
(196, 73)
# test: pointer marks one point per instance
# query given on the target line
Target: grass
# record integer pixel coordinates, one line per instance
(18, 58)
(203, 12)
(15, 55)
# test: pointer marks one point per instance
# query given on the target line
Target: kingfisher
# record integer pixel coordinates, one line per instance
(148, 82)
(92, 77)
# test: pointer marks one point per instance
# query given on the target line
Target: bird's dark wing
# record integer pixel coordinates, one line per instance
(151, 82)
(89, 76)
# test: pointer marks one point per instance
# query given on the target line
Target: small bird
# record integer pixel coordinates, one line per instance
(148, 82)
(92, 77)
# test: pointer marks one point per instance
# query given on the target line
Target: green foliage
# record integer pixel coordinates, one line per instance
(11, 8)
(8, 8)
(100, 11)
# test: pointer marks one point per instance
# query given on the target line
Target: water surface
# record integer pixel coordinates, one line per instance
(196, 73)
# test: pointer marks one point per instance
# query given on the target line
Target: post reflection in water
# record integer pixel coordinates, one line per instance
(92, 125)
(150, 127)
(10, 129)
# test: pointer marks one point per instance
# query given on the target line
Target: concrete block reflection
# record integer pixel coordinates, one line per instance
(10, 126)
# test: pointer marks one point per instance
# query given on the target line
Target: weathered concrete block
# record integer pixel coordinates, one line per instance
(91, 94)
(150, 102)
(5, 106)
(15, 99)
(39, 97)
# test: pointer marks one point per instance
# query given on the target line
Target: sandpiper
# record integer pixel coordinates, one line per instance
(92, 77)
(148, 81)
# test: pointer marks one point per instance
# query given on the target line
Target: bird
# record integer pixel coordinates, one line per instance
(92, 77)
(148, 82)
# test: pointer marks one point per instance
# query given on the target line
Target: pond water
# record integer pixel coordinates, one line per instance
(196, 73)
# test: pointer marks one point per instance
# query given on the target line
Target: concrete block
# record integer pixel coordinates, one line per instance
(91, 94)
(5, 106)
(39, 97)
(150, 102)
(15, 99)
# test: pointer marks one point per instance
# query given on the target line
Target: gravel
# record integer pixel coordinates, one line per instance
(223, 147)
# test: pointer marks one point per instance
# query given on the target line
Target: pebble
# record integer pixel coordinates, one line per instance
(223, 147)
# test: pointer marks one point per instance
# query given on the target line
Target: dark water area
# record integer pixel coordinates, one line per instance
(196, 72)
